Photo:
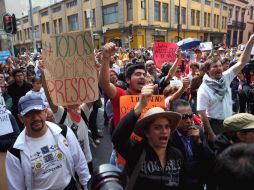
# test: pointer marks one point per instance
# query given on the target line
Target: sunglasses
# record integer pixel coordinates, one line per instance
(186, 116)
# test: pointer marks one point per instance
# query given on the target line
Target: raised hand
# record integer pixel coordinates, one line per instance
(108, 50)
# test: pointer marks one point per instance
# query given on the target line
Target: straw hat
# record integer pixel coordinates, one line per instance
(156, 112)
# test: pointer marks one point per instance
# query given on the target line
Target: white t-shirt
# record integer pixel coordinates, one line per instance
(207, 100)
(48, 163)
(82, 130)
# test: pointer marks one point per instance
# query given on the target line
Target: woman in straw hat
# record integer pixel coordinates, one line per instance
(152, 162)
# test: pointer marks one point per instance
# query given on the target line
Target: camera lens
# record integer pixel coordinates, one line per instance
(108, 177)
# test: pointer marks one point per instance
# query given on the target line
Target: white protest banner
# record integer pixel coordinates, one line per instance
(5, 122)
(70, 69)
(206, 46)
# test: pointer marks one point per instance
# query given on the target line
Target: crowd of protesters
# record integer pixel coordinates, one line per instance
(208, 107)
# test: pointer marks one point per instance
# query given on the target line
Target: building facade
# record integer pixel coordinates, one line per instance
(152, 20)
(240, 23)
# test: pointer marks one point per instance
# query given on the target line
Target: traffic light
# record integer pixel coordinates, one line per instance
(130, 30)
(9, 23)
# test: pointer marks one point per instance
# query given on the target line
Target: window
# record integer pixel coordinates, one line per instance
(28, 33)
(207, 2)
(143, 9)
(216, 5)
(208, 19)
(251, 12)
(110, 14)
(236, 15)
(164, 12)
(157, 11)
(90, 15)
(25, 34)
(55, 26)
(129, 10)
(214, 21)
(60, 23)
(218, 20)
(56, 9)
(242, 16)
(205, 19)
(71, 4)
(196, 1)
(192, 17)
(183, 15)
(47, 26)
(198, 18)
(25, 20)
(20, 35)
(225, 8)
(43, 28)
(73, 22)
(46, 13)
(222, 22)
(176, 14)
(230, 13)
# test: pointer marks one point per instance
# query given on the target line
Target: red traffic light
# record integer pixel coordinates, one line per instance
(9, 23)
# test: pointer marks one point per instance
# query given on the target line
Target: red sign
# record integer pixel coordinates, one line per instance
(164, 52)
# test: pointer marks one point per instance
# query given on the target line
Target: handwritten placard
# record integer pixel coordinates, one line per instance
(206, 46)
(70, 70)
(129, 101)
(163, 52)
(5, 122)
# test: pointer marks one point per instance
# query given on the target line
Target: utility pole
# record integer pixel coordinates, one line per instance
(32, 25)
(178, 25)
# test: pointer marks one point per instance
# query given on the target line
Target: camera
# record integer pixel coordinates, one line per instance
(108, 177)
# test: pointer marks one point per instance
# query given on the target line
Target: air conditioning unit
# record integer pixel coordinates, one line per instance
(230, 21)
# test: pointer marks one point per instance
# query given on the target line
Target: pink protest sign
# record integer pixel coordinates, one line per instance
(163, 52)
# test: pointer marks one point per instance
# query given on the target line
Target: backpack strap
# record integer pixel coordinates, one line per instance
(83, 115)
(64, 116)
(64, 129)
(16, 153)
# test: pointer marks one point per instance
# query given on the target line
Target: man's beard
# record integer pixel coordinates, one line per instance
(37, 129)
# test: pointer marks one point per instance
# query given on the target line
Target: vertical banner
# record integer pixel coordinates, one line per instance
(163, 52)
(70, 70)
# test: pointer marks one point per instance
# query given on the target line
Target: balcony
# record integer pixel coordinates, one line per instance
(237, 25)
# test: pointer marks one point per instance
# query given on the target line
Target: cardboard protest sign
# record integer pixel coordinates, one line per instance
(5, 122)
(163, 52)
(70, 70)
(129, 101)
(206, 46)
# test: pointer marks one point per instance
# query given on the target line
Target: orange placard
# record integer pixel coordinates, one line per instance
(129, 101)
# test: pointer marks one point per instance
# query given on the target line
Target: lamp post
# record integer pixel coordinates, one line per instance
(178, 25)
(32, 25)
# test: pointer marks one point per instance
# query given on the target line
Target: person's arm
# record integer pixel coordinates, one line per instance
(14, 172)
(8, 140)
(104, 78)
(53, 107)
(245, 57)
(174, 67)
(180, 91)
(210, 134)
(79, 160)
(122, 133)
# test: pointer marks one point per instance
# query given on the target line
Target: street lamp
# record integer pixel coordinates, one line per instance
(178, 25)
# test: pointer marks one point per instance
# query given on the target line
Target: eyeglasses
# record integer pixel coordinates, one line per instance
(186, 116)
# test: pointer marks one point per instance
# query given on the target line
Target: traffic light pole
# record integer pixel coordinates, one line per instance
(10, 36)
(32, 25)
